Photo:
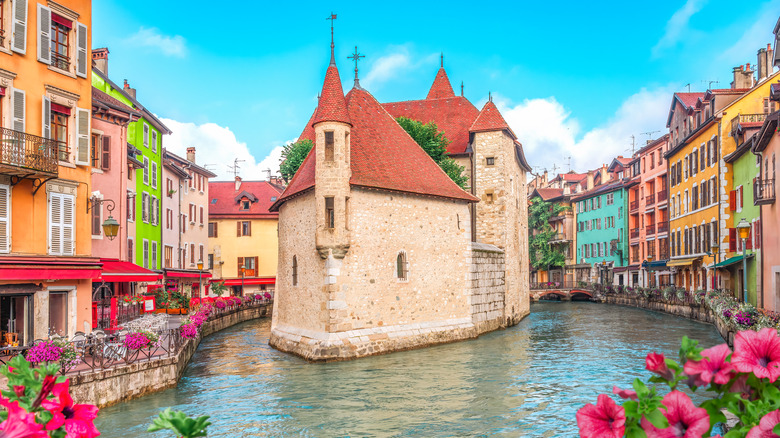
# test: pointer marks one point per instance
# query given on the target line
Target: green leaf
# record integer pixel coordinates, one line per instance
(657, 419)
(635, 431)
(776, 429)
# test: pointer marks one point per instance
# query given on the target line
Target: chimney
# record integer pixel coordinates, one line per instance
(191, 154)
(238, 182)
(544, 179)
(764, 62)
(128, 90)
(590, 181)
(743, 77)
(100, 60)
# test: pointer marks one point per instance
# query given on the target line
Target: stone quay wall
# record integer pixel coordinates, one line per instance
(114, 385)
(699, 312)
(486, 287)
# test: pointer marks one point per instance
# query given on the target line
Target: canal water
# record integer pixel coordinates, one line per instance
(526, 381)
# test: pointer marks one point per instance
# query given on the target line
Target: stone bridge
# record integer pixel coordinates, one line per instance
(558, 291)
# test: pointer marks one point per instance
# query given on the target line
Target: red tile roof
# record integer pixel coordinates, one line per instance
(331, 107)
(548, 193)
(490, 119)
(453, 116)
(441, 88)
(308, 130)
(689, 99)
(571, 176)
(223, 202)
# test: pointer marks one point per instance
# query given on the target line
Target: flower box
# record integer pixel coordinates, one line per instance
(174, 311)
(159, 311)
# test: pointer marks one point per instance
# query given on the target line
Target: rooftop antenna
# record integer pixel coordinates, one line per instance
(709, 83)
(332, 18)
(356, 57)
(689, 87)
(633, 144)
(568, 163)
(235, 167)
(555, 166)
(649, 134)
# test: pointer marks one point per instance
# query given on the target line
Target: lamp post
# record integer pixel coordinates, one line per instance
(714, 253)
(649, 260)
(243, 269)
(200, 275)
(110, 226)
(744, 229)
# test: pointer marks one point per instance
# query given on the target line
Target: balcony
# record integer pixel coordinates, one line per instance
(663, 226)
(764, 192)
(650, 230)
(559, 238)
(741, 119)
(28, 156)
(634, 206)
(662, 196)
(634, 233)
(650, 199)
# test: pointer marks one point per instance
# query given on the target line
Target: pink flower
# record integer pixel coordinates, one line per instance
(656, 363)
(606, 419)
(740, 385)
(713, 366)
(757, 353)
(19, 423)
(685, 419)
(624, 393)
(77, 419)
(765, 426)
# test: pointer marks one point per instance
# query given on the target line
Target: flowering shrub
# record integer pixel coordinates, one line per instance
(188, 331)
(139, 340)
(44, 352)
(743, 382)
(744, 318)
(220, 304)
(267, 295)
(198, 319)
(237, 301)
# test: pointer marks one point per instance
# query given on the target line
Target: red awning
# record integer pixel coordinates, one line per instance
(37, 272)
(2, 91)
(62, 20)
(248, 281)
(118, 271)
(187, 274)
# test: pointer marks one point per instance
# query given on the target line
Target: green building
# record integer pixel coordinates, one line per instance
(745, 170)
(602, 242)
(144, 138)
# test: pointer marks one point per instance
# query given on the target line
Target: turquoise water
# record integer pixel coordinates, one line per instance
(526, 381)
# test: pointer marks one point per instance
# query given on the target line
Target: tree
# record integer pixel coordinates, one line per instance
(293, 156)
(542, 254)
(434, 143)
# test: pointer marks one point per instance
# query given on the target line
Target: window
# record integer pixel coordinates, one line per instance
(168, 257)
(610, 198)
(330, 214)
(213, 229)
(295, 271)
(131, 207)
(192, 213)
(154, 211)
(244, 228)
(58, 311)
(154, 175)
(169, 187)
(200, 253)
(59, 130)
(146, 170)
(201, 216)
(490, 161)
(146, 254)
(192, 253)
(95, 219)
(146, 135)
(59, 42)
(210, 261)
(328, 145)
(145, 207)
(154, 255)
(154, 141)
(168, 219)
(245, 204)
(652, 160)
(5, 216)
(130, 250)
(489, 197)
(95, 151)
(401, 266)
(61, 220)
(769, 106)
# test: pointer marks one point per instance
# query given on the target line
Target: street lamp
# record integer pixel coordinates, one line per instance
(744, 230)
(649, 276)
(110, 226)
(714, 252)
(243, 269)
(200, 275)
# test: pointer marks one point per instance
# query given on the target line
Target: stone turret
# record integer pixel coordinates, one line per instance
(331, 130)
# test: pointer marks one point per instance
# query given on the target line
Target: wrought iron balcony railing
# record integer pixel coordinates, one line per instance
(650, 199)
(634, 206)
(663, 226)
(23, 154)
(650, 229)
(634, 233)
(662, 195)
(764, 192)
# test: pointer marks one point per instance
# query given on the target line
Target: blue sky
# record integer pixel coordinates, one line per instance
(574, 79)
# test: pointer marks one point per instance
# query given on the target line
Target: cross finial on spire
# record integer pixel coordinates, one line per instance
(332, 17)
(356, 57)
(442, 59)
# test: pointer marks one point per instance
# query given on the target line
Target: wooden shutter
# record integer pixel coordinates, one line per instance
(105, 160)
(55, 224)
(18, 109)
(81, 50)
(201, 215)
(749, 241)
(238, 229)
(154, 141)
(146, 170)
(758, 234)
(741, 198)
(703, 158)
(19, 27)
(44, 34)
(733, 200)
(5, 219)
(154, 174)
(240, 263)
(146, 135)
(732, 239)
(82, 136)
(249, 228)
(46, 118)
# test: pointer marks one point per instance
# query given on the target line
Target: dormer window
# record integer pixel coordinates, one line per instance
(245, 204)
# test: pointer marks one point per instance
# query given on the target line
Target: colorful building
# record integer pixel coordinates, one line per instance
(648, 216)
(243, 234)
(46, 267)
(564, 240)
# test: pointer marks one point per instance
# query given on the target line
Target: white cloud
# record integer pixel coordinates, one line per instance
(169, 45)
(677, 26)
(756, 36)
(550, 135)
(396, 63)
(217, 147)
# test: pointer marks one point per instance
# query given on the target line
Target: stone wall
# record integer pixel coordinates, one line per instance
(487, 287)
(105, 388)
(696, 312)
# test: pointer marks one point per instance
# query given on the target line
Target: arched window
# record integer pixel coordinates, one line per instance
(295, 271)
(401, 266)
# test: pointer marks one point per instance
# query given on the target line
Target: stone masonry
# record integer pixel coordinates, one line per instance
(487, 288)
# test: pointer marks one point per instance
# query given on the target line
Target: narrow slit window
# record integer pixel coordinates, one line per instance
(295, 271)
(330, 214)
(329, 146)
(401, 266)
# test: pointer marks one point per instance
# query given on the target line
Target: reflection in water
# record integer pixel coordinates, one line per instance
(528, 380)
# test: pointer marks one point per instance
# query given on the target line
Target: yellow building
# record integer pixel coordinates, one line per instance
(699, 181)
(243, 234)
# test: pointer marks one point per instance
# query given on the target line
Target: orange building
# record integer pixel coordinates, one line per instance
(46, 270)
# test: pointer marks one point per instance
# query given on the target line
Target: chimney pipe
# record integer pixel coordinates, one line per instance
(191, 154)
(100, 60)
(128, 90)
(764, 62)
(238, 182)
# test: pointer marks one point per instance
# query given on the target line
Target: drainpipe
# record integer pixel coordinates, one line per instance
(720, 202)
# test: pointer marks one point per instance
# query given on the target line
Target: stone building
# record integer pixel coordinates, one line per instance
(379, 250)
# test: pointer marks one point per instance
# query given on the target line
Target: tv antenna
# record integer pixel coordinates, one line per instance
(633, 145)
(689, 87)
(709, 83)
(235, 167)
(212, 165)
(568, 163)
(649, 134)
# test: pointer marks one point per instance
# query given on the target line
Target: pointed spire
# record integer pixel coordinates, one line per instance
(490, 119)
(332, 18)
(442, 59)
(461, 88)
(331, 106)
(441, 88)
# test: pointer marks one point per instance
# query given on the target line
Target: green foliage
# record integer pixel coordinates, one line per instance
(541, 253)
(179, 423)
(434, 143)
(293, 156)
(219, 288)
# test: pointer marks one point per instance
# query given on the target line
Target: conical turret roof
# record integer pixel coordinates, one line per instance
(490, 119)
(441, 88)
(332, 107)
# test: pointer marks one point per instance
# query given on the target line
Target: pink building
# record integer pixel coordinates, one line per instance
(767, 147)
(648, 216)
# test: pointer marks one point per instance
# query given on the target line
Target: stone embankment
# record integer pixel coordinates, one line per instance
(697, 312)
(122, 383)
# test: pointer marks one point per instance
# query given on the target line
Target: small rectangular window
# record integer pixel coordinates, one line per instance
(330, 214)
(328, 145)
(491, 161)
(212, 229)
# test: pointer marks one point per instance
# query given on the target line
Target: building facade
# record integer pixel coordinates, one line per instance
(767, 148)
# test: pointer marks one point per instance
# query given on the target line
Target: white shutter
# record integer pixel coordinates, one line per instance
(19, 27)
(154, 255)
(55, 224)
(154, 174)
(82, 136)
(68, 222)
(5, 219)
(81, 50)
(154, 141)
(17, 113)
(46, 120)
(44, 34)
(146, 170)
(146, 253)
(146, 135)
